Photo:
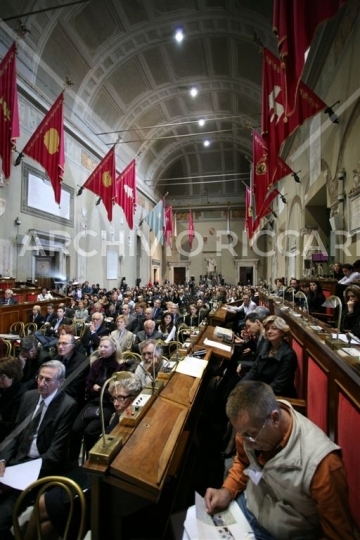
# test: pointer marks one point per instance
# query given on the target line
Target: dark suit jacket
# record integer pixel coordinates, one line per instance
(39, 320)
(92, 340)
(76, 387)
(141, 336)
(9, 405)
(54, 431)
(31, 369)
(12, 301)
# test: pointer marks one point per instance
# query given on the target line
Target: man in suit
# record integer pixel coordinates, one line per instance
(50, 317)
(8, 298)
(31, 357)
(76, 365)
(149, 332)
(158, 311)
(94, 332)
(50, 339)
(137, 323)
(55, 412)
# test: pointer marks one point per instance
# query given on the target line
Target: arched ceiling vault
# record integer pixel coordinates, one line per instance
(131, 78)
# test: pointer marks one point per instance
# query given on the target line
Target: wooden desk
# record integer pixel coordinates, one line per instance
(22, 312)
(208, 333)
(149, 467)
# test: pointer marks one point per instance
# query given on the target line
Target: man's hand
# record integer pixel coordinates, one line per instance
(2, 468)
(217, 499)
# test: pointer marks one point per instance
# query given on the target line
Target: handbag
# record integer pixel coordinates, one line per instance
(91, 413)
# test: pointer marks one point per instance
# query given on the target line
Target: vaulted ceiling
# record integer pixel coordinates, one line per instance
(132, 79)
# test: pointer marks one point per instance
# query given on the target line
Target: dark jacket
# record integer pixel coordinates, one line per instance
(80, 364)
(9, 405)
(92, 340)
(39, 320)
(53, 435)
(141, 336)
(351, 321)
(31, 369)
(100, 371)
(278, 371)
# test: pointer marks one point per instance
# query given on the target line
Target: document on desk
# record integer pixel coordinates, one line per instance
(192, 366)
(22, 475)
(230, 524)
(343, 338)
(221, 346)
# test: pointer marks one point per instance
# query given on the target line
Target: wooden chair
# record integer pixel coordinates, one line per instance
(5, 347)
(79, 327)
(30, 328)
(69, 486)
(17, 328)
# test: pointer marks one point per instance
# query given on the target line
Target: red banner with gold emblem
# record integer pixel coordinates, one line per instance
(46, 145)
(295, 23)
(9, 112)
(276, 126)
(125, 192)
(102, 181)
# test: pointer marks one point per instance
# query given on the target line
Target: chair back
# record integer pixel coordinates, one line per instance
(17, 328)
(5, 347)
(43, 484)
(79, 327)
(30, 328)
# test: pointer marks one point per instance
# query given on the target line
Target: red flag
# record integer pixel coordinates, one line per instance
(168, 225)
(191, 229)
(102, 181)
(295, 23)
(125, 192)
(46, 145)
(248, 213)
(9, 111)
(276, 126)
(262, 172)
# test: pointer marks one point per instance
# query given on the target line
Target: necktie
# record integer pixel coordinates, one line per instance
(29, 433)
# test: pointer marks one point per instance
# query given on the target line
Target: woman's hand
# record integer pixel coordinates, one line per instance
(96, 388)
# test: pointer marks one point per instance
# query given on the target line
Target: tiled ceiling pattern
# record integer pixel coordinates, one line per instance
(129, 74)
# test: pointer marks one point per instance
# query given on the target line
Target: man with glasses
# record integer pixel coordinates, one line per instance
(94, 332)
(287, 476)
(77, 367)
(151, 362)
(42, 430)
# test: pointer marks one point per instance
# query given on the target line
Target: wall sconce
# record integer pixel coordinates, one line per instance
(17, 222)
(296, 177)
(332, 115)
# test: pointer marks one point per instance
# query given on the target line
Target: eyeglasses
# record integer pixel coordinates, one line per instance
(47, 380)
(254, 439)
(120, 398)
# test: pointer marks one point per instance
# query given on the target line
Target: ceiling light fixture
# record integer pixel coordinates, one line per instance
(179, 35)
(193, 91)
(206, 142)
(201, 122)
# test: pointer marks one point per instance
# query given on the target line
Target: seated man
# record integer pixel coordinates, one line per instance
(241, 311)
(149, 332)
(77, 367)
(50, 338)
(287, 477)
(42, 430)
(151, 362)
(31, 357)
(94, 332)
(8, 298)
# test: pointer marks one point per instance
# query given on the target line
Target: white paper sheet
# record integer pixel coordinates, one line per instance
(21, 476)
(192, 366)
(217, 345)
(230, 524)
(343, 338)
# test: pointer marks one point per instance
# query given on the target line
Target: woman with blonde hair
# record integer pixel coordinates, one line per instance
(276, 362)
(88, 424)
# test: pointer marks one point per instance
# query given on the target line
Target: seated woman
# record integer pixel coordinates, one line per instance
(11, 391)
(54, 505)
(315, 298)
(192, 318)
(350, 320)
(36, 316)
(337, 271)
(44, 295)
(88, 424)
(276, 361)
(123, 338)
(167, 327)
(81, 312)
